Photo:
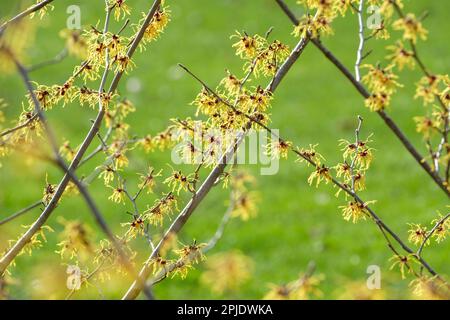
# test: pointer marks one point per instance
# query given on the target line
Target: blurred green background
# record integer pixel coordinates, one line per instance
(296, 223)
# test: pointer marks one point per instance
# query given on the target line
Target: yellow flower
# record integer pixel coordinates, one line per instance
(147, 143)
(162, 208)
(381, 79)
(124, 108)
(231, 83)
(245, 205)
(121, 9)
(107, 174)
(364, 158)
(381, 32)
(401, 262)
(118, 195)
(160, 265)
(360, 181)
(358, 290)
(75, 43)
(322, 173)
(35, 241)
(307, 25)
(343, 5)
(123, 63)
(259, 100)
(429, 87)
(426, 126)
(428, 288)
(417, 234)
(148, 180)
(178, 181)
(227, 271)
(377, 101)
(311, 154)
(76, 241)
(120, 159)
(247, 47)
(400, 56)
(240, 180)
(191, 253)
(156, 26)
(191, 154)
(42, 12)
(49, 192)
(163, 140)
(45, 96)
(66, 151)
(355, 211)
(278, 149)
(442, 231)
(207, 103)
(303, 288)
(411, 27)
(343, 169)
(135, 228)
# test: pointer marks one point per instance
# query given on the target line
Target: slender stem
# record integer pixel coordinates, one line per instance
(21, 212)
(58, 58)
(359, 53)
(6, 260)
(365, 94)
(209, 182)
(352, 165)
(20, 126)
(90, 202)
(351, 192)
(25, 13)
(161, 275)
(429, 234)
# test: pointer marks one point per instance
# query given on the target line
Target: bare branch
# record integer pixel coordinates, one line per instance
(365, 94)
(20, 212)
(359, 53)
(58, 58)
(25, 13)
(210, 181)
(12, 253)
(432, 231)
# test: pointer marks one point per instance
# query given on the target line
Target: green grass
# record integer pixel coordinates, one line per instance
(314, 104)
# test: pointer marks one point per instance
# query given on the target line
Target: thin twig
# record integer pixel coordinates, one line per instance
(24, 13)
(20, 126)
(352, 165)
(20, 212)
(209, 182)
(351, 192)
(6, 260)
(365, 94)
(58, 58)
(432, 231)
(359, 53)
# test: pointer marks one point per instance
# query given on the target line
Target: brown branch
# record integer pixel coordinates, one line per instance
(161, 275)
(365, 94)
(56, 59)
(20, 126)
(6, 260)
(432, 231)
(209, 182)
(21, 212)
(60, 162)
(24, 13)
(350, 191)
